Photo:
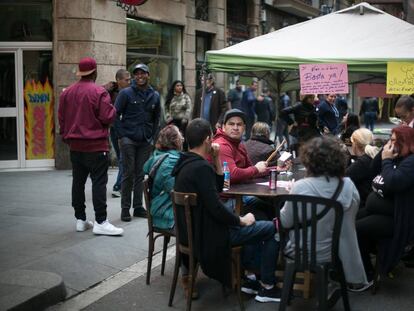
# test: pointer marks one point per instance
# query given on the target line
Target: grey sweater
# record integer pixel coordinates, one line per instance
(348, 244)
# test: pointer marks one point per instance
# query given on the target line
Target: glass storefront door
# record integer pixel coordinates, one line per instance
(8, 111)
(26, 108)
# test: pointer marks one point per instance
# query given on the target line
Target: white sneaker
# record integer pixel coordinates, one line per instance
(116, 194)
(106, 228)
(83, 225)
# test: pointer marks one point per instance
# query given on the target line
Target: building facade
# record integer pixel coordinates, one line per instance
(44, 40)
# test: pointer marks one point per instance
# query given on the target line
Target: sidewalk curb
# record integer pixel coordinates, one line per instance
(31, 290)
(113, 283)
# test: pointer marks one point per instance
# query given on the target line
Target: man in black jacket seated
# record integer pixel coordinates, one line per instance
(216, 229)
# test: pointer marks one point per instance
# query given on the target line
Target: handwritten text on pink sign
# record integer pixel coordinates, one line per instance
(323, 78)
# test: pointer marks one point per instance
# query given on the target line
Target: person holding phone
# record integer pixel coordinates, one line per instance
(389, 215)
(404, 109)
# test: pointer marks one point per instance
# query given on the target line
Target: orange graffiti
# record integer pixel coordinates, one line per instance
(39, 120)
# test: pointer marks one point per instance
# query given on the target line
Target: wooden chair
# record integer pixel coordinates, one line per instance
(304, 258)
(188, 201)
(153, 234)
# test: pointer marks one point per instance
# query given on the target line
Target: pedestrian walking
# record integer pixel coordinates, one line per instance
(138, 110)
(85, 114)
(370, 111)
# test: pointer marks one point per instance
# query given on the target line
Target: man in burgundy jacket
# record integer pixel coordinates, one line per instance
(85, 113)
(233, 151)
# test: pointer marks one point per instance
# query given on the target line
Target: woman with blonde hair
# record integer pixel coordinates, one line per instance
(359, 170)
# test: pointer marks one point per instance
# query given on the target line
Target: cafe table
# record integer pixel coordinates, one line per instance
(259, 187)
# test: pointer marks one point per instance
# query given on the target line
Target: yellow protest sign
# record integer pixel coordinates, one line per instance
(400, 78)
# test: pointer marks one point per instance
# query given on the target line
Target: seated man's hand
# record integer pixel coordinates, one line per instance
(247, 220)
(261, 166)
(215, 150)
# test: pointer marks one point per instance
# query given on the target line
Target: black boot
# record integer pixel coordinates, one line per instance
(125, 215)
(140, 212)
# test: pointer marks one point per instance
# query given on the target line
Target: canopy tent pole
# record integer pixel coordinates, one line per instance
(203, 88)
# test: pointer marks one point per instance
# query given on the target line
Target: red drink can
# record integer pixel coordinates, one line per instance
(273, 179)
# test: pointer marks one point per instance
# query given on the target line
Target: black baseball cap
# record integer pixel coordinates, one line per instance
(234, 113)
(142, 67)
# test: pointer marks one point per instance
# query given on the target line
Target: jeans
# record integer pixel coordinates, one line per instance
(114, 141)
(133, 159)
(369, 120)
(260, 236)
(375, 223)
(96, 165)
(282, 131)
(251, 204)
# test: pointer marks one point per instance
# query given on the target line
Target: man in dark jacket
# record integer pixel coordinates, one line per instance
(370, 111)
(216, 228)
(138, 109)
(235, 95)
(265, 109)
(214, 103)
(248, 106)
(304, 123)
(85, 113)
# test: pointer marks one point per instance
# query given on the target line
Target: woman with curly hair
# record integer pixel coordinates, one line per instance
(389, 215)
(178, 106)
(325, 164)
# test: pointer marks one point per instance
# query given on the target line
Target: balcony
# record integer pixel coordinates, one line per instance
(384, 1)
(302, 8)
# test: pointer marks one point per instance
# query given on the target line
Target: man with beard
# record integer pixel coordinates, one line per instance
(214, 102)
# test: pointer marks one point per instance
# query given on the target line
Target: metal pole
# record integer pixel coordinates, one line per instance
(203, 88)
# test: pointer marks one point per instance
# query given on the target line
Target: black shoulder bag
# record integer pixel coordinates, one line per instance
(153, 171)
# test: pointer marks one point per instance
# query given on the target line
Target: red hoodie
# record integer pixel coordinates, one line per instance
(234, 153)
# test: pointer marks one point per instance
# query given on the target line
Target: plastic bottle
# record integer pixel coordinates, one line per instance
(226, 173)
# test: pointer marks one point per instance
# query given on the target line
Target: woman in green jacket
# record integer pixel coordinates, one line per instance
(168, 145)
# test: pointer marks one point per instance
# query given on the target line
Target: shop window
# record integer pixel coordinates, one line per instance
(26, 20)
(201, 10)
(237, 29)
(157, 45)
(203, 44)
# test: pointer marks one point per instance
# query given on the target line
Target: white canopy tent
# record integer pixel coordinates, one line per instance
(361, 36)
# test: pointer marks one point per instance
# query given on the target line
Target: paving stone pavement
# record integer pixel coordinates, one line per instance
(393, 294)
(38, 229)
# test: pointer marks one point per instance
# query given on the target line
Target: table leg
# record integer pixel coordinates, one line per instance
(239, 204)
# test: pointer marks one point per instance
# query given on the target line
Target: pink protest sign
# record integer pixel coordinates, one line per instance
(323, 78)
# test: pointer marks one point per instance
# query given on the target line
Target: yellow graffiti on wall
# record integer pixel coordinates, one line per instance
(39, 121)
